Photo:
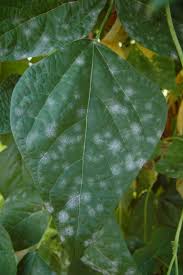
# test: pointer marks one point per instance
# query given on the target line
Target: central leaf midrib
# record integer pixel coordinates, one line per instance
(84, 144)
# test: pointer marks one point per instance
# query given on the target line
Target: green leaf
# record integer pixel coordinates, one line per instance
(158, 250)
(159, 69)
(41, 26)
(24, 218)
(150, 29)
(13, 173)
(88, 123)
(107, 252)
(171, 164)
(6, 89)
(7, 256)
(33, 264)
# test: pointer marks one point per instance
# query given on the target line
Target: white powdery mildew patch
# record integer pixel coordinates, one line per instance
(99, 207)
(86, 197)
(129, 92)
(151, 140)
(68, 231)
(45, 38)
(130, 164)
(114, 146)
(140, 162)
(116, 169)
(50, 130)
(102, 184)
(91, 212)
(18, 112)
(63, 216)
(81, 112)
(130, 271)
(73, 202)
(45, 158)
(118, 109)
(51, 102)
(136, 129)
(97, 139)
(80, 60)
(49, 207)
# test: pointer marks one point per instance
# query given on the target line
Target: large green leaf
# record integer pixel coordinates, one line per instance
(33, 264)
(24, 217)
(171, 164)
(85, 122)
(7, 256)
(39, 27)
(150, 29)
(6, 89)
(108, 253)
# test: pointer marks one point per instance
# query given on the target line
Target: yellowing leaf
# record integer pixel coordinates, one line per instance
(180, 119)
(115, 38)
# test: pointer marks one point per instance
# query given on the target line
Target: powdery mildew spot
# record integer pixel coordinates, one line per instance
(114, 146)
(136, 129)
(86, 197)
(68, 231)
(97, 139)
(63, 216)
(116, 169)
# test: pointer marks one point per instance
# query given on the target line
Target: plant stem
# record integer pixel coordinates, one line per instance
(145, 211)
(173, 34)
(105, 19)
(175, 248)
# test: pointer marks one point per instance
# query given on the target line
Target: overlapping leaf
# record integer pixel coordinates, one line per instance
(149, 28)
(159, 69)
(85, 123)
(7, 256)
(6, 89)
(13, 173)
(171, 163)
(38, 27)
(33, 264)
(24, 218)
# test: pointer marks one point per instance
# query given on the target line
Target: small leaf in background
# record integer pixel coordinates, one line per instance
(33, 264)
(6, 89)
(146, 27)
(38, 29)
(159, 69)
(22, 212)
(171, 164)
(7, 258)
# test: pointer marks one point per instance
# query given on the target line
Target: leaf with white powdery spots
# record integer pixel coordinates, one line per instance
(89, 123)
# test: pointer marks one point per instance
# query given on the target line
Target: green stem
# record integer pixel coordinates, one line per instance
(173, 34)
(175, 248)
(145, 211)
(105, 19)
